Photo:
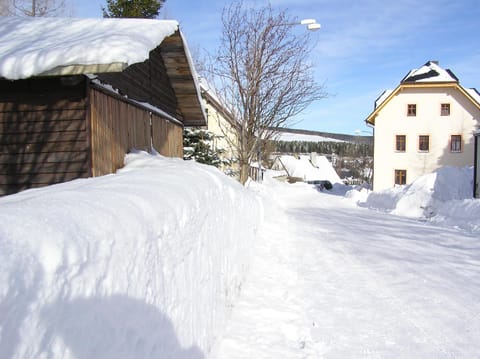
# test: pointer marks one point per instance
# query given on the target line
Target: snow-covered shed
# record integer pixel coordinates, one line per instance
(77, 94)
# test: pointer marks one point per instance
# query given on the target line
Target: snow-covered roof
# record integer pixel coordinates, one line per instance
(35, 46)
(430, 72)
(474, 93)
(382, 97)
(302, 167)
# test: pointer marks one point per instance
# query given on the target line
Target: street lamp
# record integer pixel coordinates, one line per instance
(312, 24)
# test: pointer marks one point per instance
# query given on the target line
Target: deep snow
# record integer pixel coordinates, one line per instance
(443, 197)
(150, 262)
(145, 263)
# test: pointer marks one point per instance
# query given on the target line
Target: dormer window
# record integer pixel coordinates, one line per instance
(411, 109)
(445, 109)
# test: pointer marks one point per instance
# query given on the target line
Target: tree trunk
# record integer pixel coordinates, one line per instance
(244, 167)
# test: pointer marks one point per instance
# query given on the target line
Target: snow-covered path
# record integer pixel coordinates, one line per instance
(332, 280)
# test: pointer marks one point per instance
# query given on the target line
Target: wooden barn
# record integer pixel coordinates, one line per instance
(75, 111)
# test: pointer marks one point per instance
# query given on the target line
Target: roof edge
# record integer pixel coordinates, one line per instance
(79, 69)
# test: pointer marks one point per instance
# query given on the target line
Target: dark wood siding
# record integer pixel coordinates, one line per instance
(43, 132)
(146, 82)
(118, 126)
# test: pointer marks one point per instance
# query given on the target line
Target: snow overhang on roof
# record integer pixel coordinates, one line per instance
(53, 46)
(66, 46)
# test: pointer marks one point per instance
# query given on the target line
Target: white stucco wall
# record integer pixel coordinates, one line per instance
(225, 136)
(392, 120)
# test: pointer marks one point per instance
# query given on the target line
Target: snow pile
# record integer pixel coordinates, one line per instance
(32, 46)
(302, 167)
(444, 196)
(144, 263)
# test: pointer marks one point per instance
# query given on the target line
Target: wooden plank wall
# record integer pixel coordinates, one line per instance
(167, 137)
(43, 133)
(146, 82)
(118, 126)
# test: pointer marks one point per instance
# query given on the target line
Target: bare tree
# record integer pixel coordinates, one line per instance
(262, 74)
(5, 7)
(38, 7)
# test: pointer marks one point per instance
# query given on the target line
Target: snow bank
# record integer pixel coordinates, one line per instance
(32, 46)
(444, 197)
(144, 263)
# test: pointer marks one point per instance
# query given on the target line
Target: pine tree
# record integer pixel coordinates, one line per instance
(197, 147)
(147, 9)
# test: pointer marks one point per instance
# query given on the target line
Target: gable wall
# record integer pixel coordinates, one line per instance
(146, 82)
(392, 120)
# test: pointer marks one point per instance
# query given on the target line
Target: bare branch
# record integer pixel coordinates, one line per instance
(265, 78)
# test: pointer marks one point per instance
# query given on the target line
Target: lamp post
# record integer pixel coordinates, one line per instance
(312, 24)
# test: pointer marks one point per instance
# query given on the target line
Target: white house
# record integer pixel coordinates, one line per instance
(222, 124)
(428, 121)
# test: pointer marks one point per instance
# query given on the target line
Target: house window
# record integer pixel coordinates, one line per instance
(424, 143)
(411, 110)
(445, 109)
(400, 141)
(400, 177)
(456, 143)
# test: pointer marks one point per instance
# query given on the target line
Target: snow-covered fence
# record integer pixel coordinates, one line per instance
(145, 263)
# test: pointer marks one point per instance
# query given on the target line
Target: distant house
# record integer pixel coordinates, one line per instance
(307, 168)
(425, 123)
(221, 122)
(77, 94)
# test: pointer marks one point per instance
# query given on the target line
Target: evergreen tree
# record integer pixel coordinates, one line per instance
(196, 146)
(147, 9)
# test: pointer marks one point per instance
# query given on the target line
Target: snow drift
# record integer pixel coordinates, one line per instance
(443, 197)
(144, 263)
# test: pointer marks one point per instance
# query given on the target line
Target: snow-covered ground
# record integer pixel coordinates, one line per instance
(145, 263)
(334, 280)
(150, 262)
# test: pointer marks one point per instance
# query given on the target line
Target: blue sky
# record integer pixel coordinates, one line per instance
(363, 47)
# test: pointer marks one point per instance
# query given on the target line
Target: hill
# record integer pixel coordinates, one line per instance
(292, 134)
